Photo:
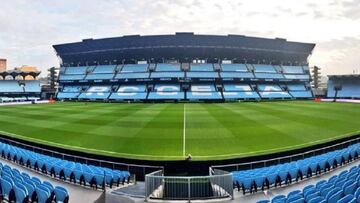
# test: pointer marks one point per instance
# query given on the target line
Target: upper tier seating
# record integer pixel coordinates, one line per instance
(342, 188)
(298, 77)
(32, 86)
(167, 67)
(260, 68)
(202, 67)
(202, 74)
(169, 74)
(236, 75)
(234, 67)
(269, 75)
(127, 75)
(10, 86)
(63, 169)
(100, 76)
(81, 70)
(72, 77)
(129, 92)
(131, 68)
(293, 69)
(20, 187)
(104, 69)
(253, 179)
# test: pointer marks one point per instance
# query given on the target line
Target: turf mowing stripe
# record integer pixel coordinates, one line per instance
(184, 130)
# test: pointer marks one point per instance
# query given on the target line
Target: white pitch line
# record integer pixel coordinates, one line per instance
(184, 131)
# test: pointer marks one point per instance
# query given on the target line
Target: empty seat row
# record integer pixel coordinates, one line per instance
(83, 174)
(342, 188)
(20, 187)
(254, 179)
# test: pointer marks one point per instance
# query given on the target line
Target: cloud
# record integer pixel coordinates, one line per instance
(28, 31)
(351, 9)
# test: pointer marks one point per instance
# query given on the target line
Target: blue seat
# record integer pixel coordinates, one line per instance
(317, 199)
(43, 195)
(21, 195)
(278, 198)
(335, 197)
(294, 198)
(61, 194)
(312, 195)
(299, 200)
(350, 187)
(6, 188)
(294, 193)
(357, 192)
(347, 199)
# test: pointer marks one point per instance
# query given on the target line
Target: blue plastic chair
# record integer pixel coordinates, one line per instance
(6, 188)
(42, 195)
(347, 199)
(21, 195)
(61, 194)
(335, 197)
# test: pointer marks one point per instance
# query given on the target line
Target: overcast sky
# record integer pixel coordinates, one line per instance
(28, 29)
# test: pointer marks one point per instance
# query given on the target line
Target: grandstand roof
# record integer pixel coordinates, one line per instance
(348, 76)
(15, 73)
(183, 47)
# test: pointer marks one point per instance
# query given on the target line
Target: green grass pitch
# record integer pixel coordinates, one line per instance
(171, 131)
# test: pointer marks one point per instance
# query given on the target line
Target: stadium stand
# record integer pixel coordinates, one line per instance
(20, 187)
(183, 75)
(272, 176)
(19, 90)
(344, 86)
(342, 188)
(96, 92)
(129, 93)
(83, 174)
(270, 91)
(167, 92)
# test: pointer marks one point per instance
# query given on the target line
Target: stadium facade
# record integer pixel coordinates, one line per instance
(184, 67)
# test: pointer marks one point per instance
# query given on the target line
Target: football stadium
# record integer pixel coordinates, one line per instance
(180, 117)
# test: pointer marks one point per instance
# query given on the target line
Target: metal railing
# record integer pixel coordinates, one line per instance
(285, 159)
(139, 170)
(218, 185)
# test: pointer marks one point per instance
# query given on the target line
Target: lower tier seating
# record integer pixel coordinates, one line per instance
(20, 187)
(254, 179)
(342, 188)
(85, 174)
